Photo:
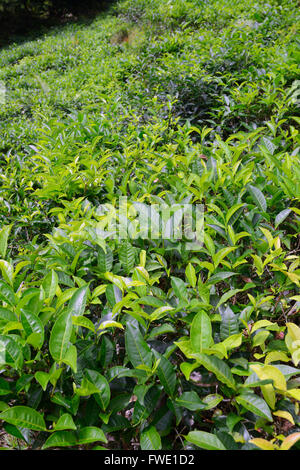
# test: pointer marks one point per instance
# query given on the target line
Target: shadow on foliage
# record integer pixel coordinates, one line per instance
(27, 20)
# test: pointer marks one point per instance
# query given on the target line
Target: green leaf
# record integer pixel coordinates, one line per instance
(140, 392)
(4, 234)
(7, 315)
(84, 322)
(166, 374)
(10, 352)
(212, 400)
(281, 217)
(221, 276)
(150, 439)
(32, 325)
(113, 295)
(42, 378)
(218, 257)
(191, 275)
(60, 336)
(257, 197)
(110, 324)
(290, 440)
(259, 338)
(19, 433)
(86, 388)
(205, 440)
(228, 295)
(25, 417)
(232, 210)
(78, 301)
(119, 372)
(7, 270)
(60, 400)
(101, 385)
(191, 401)
(105, 259)
(179, 288)
(7, 294)
(126, 256)
(65, 296)
(61, 439)
(209, 244)
(137, 349)
(185, 346)
(229, 324)
(255, 404)
(65, 422)
(160, 312)
(187, 368)
(70, 358)
(201, 332)
(269, 145)
(161, 330)
(4, 387)
(50, 284)
(218, 367)
(151, 301)
(262, 444)
(233, 341)
(10, 326)
(91, 434)
(141, 412)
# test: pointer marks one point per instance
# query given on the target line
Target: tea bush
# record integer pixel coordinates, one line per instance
(140, 342)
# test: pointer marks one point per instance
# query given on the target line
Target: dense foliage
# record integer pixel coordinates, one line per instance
(141, 343)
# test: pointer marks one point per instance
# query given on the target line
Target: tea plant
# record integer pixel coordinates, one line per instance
(140, 342)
